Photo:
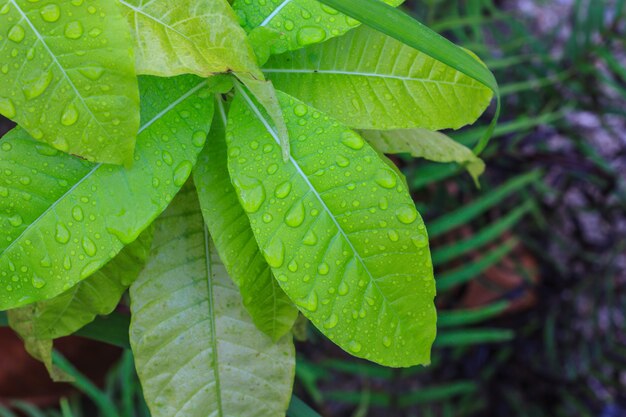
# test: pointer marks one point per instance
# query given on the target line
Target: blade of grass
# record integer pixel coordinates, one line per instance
(83, 384)
(466, 273)
(435, 394)
(473, 337)
(441, 255)
(467, 213)
(454, 318)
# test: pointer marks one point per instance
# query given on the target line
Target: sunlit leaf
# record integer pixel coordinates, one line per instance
(67, 76)
(271, 310)
(63, 218)
(339, 229)
(197, 351)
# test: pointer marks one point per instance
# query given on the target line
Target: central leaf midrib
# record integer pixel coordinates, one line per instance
(97, 166)
(56, 61)
(364, 74)
(319, 198)
(214, 347)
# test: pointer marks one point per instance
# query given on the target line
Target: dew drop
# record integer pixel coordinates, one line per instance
(74, 30)
(16, 220)
(198, 138)
(37, 87)
(38, 282)
(70, 115)
(89, 269)
(50, 13)
(406, 214)
(310, 239)
(182, 172)
(342, 161)
(310, 302)
(283, 190)
(385, 178)
(16, 34)
(393, 235)
(252, 194)
(420, 241)
(267, 217)
(77, 213)
(126, 235)
(386, 341)
(309, 35)
(352, 140)
(323, 268)
(343, 288)
(62, 235)
(93, 73)
(275, 253)
(354, 346)
(7, 108)
(167, 157)
(300, 110)
(332, 321)
(295, 217)
(89, 246)
(293, 266)
(67, 263)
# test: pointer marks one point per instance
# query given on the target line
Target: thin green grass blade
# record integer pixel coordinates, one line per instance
(473, 337)
(467, 213)
(445, 254)
(399, 25)
(464, 317)
(438, 393)
(83, 384)
(27, 409)
(467, 273)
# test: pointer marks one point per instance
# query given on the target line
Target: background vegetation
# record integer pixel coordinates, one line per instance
(530, 268)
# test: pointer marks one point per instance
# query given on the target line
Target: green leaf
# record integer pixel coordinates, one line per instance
(196, 349)
(400, 26)
(339, 229)
(201, 37)
(298, 22)
(21, 322)
(67, 76)
(379, 83)
(423, 143)
(265, 94)
(97, 295)
(270, 308)
(63, 218)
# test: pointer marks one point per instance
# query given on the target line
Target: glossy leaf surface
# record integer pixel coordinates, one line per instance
(370, 81)
(201, 37)
(339, 229)
(270, 308)
(197, 351)
(423, 143)
(299, 22)
(63, 218)
(67, 76)
(99, 294)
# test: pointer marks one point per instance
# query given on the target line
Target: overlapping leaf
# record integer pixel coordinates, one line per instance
(97, 295)
(201, 37)
(299, 22)
(67, 76)
(338, 228)
(272, 311)
(63, 218)
(196, 349)
(423, 143)
(370, 81)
